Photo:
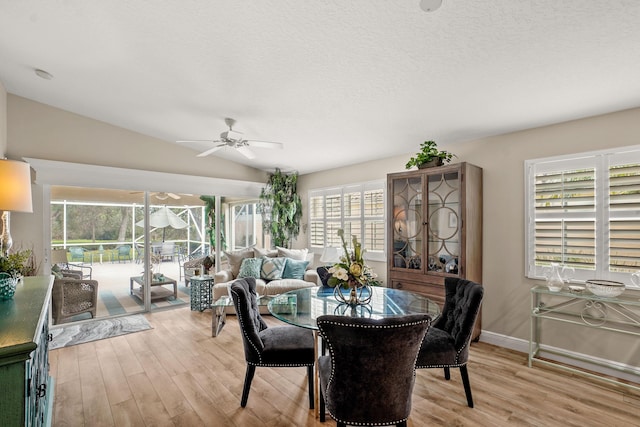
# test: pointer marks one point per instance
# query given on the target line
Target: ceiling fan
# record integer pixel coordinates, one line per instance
(234, 139)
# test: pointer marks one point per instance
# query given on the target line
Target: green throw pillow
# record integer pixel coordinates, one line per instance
(294, 269)
(250, 267)
(272, 268)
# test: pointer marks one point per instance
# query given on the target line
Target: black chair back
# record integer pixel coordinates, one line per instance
(461, 306)
(368, 377)
(243, 292)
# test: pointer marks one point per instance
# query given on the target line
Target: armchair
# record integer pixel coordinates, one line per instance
(60, 264)
(73, 296)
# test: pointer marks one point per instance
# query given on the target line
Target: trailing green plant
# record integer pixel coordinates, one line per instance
(281, 208)
(428, 152)
(210, 211)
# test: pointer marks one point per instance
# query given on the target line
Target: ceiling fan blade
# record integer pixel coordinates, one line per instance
(211, 150)
(197, 140)
(264, 144)
(245, 151)
(173, 196)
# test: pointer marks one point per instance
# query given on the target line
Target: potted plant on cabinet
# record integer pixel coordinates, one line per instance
(429, 156)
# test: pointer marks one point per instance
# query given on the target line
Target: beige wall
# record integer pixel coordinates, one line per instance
(3, 120)
(507, 301)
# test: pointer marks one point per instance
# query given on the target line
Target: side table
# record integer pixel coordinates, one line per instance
(201, 292)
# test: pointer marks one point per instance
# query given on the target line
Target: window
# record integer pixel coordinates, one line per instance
(358, 209)
(584, 211)
(246, 226)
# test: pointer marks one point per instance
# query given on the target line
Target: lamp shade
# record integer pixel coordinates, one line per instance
(15, 186)
(331, 255)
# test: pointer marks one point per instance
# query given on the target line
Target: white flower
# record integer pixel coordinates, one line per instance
(341, 274)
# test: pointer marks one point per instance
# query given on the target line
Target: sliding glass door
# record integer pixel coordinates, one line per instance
(101, 234)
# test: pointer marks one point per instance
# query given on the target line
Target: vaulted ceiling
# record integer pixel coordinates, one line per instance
(337, 82)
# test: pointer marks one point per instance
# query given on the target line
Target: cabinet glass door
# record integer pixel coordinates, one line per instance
(407, 223)
(443, 217)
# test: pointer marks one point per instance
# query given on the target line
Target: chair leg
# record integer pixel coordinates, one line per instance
(467, 386)
(341, 424)
(322, 408)
(310, 375)
(251, 369)
(402, 424)
(447, 374)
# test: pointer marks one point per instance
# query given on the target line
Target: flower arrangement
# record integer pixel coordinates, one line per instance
(351, 271)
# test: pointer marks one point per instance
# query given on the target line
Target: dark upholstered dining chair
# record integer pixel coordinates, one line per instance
(367, 378)
(446, 345)
(280, 346)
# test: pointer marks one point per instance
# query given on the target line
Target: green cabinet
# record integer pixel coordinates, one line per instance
(26, 389)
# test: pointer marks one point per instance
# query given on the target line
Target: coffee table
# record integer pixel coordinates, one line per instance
(219, 315)
(158, 292)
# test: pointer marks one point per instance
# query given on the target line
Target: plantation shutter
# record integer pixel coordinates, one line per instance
(584, 211)
(565, 218)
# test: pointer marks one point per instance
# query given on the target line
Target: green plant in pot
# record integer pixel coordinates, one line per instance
(18, 264)
(429, 156)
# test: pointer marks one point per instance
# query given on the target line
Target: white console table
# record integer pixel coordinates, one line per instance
(618, 315)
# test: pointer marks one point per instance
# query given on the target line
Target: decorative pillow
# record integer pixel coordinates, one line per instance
(272, 268)
(297, 254)
(250, 267)
(294, 269)
(235, 259)
(259, 253)
(324, 274)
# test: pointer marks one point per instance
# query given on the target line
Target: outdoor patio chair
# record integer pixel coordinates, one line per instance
(124, 253)
(77, 253)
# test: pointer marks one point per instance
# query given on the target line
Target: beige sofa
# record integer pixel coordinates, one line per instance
(264, 285)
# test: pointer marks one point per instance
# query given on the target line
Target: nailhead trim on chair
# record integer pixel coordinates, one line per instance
(332, 366)
(260, 363)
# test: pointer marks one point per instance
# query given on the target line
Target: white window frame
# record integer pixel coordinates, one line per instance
(370, 254)
(601, 161)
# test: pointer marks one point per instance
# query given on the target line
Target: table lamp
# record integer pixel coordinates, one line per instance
(15, 195)
(331, 255)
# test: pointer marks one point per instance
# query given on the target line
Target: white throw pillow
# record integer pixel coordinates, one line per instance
(297, 254)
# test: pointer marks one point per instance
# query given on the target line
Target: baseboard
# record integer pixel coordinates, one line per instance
(587, 362)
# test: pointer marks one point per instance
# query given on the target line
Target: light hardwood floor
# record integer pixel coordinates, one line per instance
(178, 375)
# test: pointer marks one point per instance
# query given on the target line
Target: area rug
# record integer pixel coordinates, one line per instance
(97, 330)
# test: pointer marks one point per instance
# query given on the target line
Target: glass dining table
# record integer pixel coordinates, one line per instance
(301, 307)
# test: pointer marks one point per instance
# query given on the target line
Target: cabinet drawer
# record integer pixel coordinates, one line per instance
(432, 291)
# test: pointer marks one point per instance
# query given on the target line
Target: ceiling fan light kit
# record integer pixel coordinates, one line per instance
(430, 5)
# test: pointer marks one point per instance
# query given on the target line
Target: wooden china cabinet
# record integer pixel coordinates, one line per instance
(434, 229)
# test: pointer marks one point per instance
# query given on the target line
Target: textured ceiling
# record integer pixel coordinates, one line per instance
(337, 82)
